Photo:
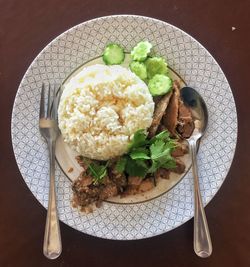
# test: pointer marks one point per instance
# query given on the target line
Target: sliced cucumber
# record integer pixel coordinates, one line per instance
(160, 85)
(113, 54)
(139, 69)
(141, 51)
(156, 65)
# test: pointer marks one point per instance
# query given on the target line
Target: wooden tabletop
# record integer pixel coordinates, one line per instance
(25, 28)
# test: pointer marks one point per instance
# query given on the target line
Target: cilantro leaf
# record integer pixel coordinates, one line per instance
(157, 149)
(170, 164)
(147, 156)
(136, 168)
(121, 164)
(161, 154)
(97, 171)
(138, 140)
(164, 135)
(139, 153)
(154, 167)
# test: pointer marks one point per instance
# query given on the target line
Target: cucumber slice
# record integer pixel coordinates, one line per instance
(141, 51)
(113, 54)
(160, 85)
(156, 65)
(139, 69)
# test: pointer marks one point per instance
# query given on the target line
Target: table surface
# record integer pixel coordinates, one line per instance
(25, 28)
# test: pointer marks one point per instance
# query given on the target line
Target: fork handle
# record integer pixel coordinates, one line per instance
(52, 246)
(202, 240)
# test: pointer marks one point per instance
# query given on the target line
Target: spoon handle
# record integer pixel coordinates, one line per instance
(202, 240)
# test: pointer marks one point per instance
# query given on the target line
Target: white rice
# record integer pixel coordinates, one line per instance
(101, 108)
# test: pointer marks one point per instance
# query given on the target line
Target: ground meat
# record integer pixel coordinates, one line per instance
(81, 161)
(118, 178)
(108, 191)
(85, 179)
(86, 194)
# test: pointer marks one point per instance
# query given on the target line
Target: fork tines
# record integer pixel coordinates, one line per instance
(48, 110)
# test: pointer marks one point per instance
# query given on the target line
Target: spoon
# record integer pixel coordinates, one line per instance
(202, 240)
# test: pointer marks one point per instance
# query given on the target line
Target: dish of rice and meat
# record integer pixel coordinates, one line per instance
(128, 125)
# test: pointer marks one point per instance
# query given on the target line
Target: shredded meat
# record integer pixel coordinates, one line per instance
(180, 150)
(159, 112)
(185, 121)
(180, 166)
(186, 129)
(161, 128)
(134, 180)
(138, 187)
(171, 115)
(162, 174)
(146, 185)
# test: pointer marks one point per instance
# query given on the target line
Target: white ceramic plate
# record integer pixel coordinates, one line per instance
(190, 60)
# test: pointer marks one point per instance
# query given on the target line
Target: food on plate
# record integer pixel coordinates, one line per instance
(156, 65)
(150, 157)
(100, 110)
(159, 85)
(160, 110)
(141, 51)
(139, 68)
(113, 54)
(128, 126)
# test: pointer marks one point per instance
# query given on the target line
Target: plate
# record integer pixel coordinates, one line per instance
(197, 68)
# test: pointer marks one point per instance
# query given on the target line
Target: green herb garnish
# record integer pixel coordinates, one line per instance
(147, 156)
(121, 164)
(139, 139)
(144, 156)
(136, 167)
(97, 171)
(140, 153)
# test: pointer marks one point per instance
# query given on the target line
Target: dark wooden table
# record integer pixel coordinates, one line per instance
(25, 28)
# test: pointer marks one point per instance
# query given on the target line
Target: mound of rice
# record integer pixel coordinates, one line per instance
(101, 108)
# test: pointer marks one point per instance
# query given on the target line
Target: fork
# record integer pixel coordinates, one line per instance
(48, 127)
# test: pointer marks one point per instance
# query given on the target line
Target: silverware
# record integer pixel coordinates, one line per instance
(202, 240)
(52, 245)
